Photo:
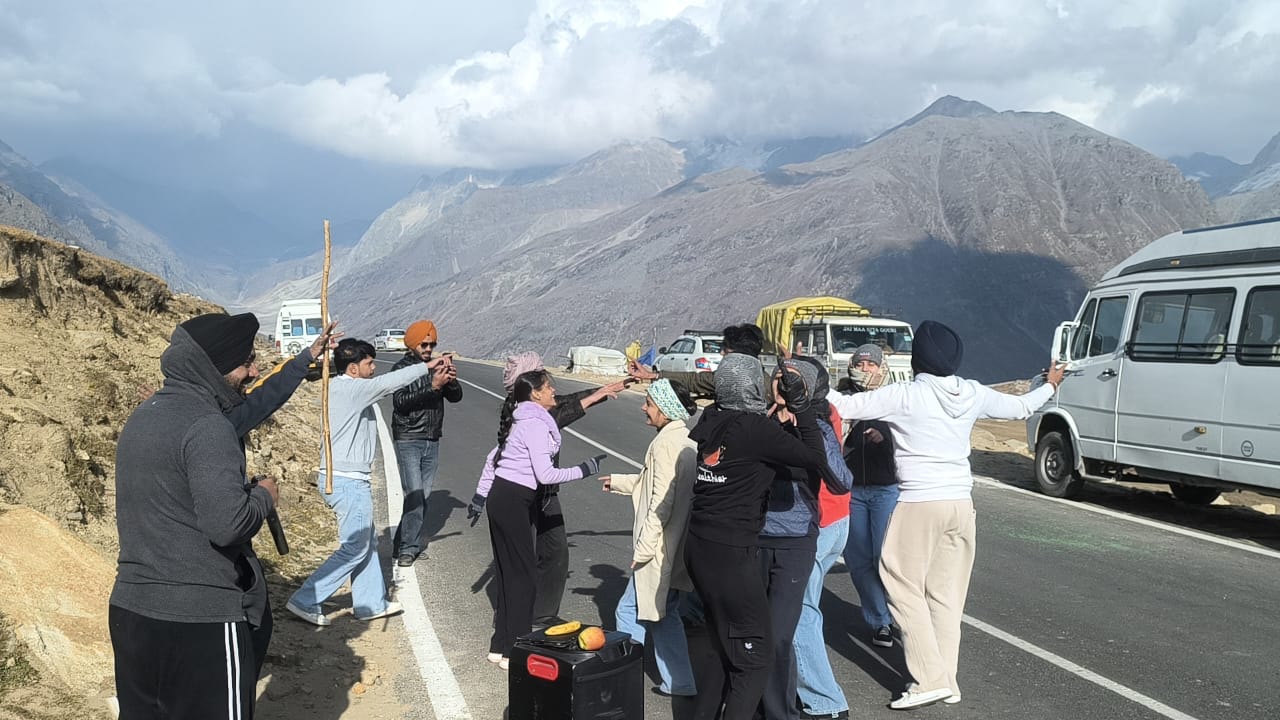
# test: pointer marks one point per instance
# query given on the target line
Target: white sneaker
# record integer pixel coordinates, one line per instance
(914, 699)
(393, 608)
(955, 698)
(494, 657)
(311, 617)
(504, 663)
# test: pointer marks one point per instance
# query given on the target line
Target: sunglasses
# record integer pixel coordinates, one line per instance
(427, 345)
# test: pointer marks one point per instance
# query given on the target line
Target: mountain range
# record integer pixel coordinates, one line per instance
(995, 222)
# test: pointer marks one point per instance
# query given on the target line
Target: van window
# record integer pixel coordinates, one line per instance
(1260, 334)
(295, 328)
(1080, 343)
(314, 326)
(1182, 326)
(1099, 332)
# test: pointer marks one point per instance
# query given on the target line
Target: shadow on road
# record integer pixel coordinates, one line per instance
(1238, 520)
(849, 637)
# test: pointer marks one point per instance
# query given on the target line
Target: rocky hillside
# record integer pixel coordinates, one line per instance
(462, 218)
(993, 222)
(1240, 192)
(85, 335)
(95, 225)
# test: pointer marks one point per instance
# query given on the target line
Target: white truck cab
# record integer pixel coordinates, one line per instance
(1173, 370)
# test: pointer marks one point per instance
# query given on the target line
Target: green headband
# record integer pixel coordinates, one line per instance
(664, 396)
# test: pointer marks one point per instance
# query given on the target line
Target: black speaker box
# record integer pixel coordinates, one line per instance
(551, 679)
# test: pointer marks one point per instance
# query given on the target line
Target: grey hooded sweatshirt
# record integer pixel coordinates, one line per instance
(184, 509)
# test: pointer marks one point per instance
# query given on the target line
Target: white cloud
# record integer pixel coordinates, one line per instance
(496, 83)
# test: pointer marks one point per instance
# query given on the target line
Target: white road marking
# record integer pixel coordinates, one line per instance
(442, 687)
(1228, 542)
(1075, 669)
(1079, 671)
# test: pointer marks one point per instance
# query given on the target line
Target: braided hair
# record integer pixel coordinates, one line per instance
(521, 391)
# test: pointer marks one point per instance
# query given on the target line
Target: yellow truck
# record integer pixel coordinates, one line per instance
(830, 329)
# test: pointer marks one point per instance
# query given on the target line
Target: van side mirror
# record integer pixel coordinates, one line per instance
(1062, 338)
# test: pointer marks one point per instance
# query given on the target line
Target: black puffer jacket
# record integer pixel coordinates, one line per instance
(419, 408)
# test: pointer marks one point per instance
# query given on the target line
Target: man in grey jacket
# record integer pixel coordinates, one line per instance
(189, 589)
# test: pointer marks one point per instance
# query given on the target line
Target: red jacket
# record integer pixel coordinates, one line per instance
(832, 508)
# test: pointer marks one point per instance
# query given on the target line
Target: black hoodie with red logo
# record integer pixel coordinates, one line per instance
(739, 454)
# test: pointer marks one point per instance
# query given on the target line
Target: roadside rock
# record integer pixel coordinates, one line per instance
(59, 614)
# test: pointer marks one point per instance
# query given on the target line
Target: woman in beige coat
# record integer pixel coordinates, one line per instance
(661, 496)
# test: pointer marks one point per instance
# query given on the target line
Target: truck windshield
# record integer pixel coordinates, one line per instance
(847, 338)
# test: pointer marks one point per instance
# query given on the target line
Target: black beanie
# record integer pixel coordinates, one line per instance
(936, 349)
(226, 339)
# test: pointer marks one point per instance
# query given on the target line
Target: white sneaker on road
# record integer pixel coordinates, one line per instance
(914, 699)
(311, 617)
(955, 698)
(393, 608)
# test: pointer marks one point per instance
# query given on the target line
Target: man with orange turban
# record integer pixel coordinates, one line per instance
(416, 426)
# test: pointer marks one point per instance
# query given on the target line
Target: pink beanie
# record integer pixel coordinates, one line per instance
(518, 365)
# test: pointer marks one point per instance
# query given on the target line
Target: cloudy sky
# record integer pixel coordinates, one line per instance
(256, 96)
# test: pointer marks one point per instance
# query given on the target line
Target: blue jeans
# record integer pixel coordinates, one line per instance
(816, 685)
(670, 646)
(356, 556)
(870, 507)
(417, 460)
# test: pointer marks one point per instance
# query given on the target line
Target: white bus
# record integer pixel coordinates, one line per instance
(1173, 370)
(298, 324)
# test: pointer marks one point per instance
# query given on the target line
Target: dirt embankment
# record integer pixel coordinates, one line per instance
(85, 335)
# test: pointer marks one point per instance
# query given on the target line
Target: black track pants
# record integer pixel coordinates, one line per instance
(194, 671)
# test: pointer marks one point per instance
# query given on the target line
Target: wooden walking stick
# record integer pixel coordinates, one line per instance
(324, 369)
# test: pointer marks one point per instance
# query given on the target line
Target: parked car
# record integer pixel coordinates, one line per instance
(693, 351)
(389, 339)
(1173, 368)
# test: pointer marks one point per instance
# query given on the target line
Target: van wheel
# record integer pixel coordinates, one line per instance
(1056, 467)
(1194, 494)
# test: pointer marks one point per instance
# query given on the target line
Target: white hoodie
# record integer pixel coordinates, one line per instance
(931, 419)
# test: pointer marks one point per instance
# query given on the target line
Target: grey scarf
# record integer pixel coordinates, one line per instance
(740, 384)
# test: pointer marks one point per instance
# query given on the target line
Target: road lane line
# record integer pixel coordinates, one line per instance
(442, 687)
(1228, 542)
(1079, 671)
(580, 436)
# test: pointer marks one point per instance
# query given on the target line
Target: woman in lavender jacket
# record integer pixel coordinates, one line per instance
(528, 441)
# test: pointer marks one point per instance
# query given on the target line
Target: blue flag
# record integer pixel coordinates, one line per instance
(649, 357)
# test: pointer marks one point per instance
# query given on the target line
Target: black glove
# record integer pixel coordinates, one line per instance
(791, 388)
(591, 466)
(475, 508)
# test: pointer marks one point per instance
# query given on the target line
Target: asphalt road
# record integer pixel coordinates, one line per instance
(1071, 614)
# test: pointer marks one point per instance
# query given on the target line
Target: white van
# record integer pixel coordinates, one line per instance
(1173, 370)
(298, 324)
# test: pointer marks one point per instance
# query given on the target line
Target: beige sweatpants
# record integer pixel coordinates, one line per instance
(925, 567)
